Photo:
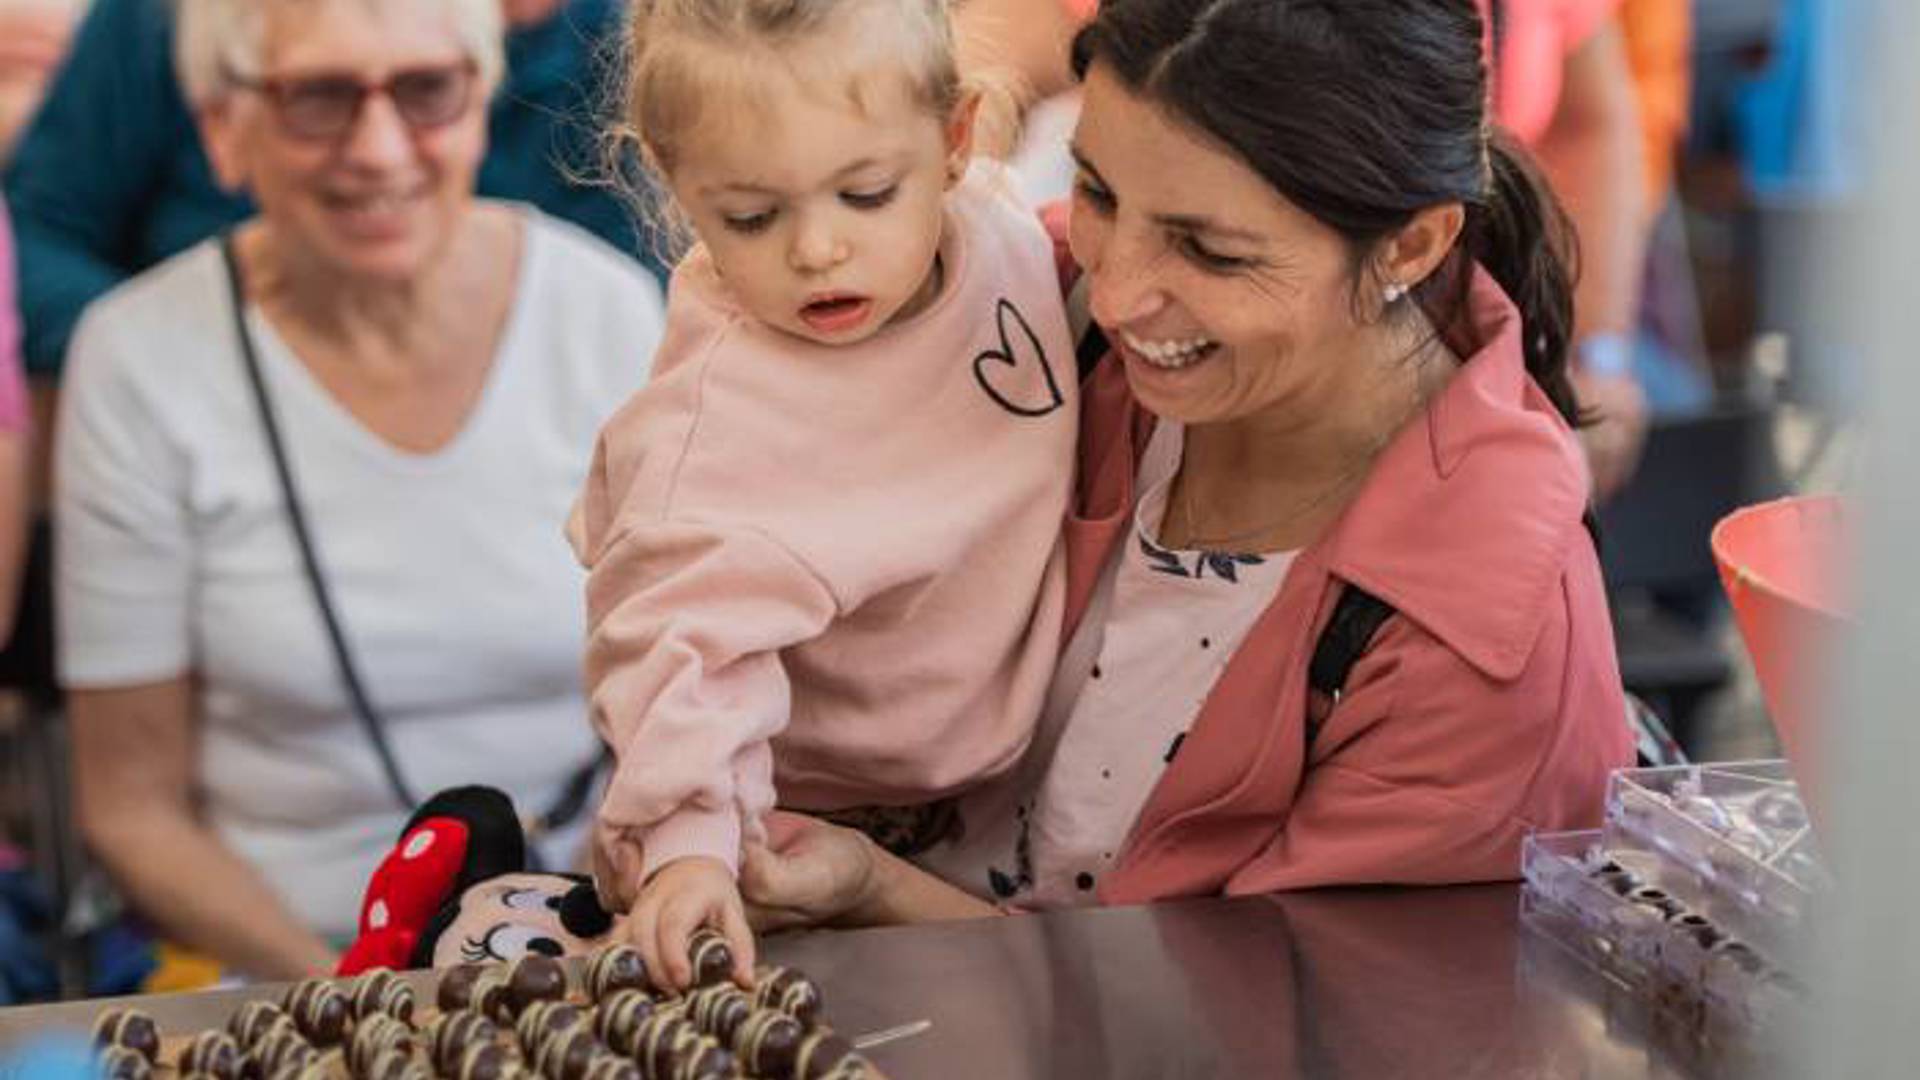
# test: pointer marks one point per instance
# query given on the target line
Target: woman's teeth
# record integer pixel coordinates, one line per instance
(1168, 354)
(383, 203)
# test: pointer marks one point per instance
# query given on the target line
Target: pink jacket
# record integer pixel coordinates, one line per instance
(1490, 706)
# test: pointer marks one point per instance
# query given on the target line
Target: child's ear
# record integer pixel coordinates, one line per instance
(960, 123)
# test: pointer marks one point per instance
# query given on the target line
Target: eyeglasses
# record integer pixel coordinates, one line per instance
(324, 108)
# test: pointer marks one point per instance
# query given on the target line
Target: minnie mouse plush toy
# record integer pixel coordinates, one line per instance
(455, 889)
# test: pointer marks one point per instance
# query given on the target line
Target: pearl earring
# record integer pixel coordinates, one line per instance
(1393, 292)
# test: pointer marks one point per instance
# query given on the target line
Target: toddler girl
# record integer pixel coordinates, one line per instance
(823, 542)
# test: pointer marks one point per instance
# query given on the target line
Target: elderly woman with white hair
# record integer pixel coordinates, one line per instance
(311, 482)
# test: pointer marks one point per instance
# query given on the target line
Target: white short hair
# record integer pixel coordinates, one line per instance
(213, 38)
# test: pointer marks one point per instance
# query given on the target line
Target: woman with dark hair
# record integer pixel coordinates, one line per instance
(1334, 616)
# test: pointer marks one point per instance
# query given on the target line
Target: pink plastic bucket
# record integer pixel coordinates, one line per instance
(1781, 564)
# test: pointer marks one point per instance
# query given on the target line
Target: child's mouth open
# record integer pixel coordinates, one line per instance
(835, 313)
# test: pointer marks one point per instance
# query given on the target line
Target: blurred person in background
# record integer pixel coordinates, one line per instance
(1669, 353)
(14, 429)
(1563, 86)
(110, 178)
(1658, 38)
(437, 366)
(33, 38)
(1022, 45)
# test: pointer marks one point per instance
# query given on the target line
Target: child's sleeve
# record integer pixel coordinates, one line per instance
(686, 620)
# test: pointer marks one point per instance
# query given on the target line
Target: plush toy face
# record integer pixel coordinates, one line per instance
(455, 890)
(506, 917)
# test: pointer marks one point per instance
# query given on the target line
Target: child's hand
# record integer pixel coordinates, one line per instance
(616, 862)
(681, 897)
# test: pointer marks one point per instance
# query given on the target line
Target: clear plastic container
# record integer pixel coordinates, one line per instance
(1641, 920)
(1740, 833)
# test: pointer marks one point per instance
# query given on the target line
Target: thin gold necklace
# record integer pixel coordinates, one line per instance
(1198, 542)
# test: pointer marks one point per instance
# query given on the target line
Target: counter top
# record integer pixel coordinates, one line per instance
(1373, 983)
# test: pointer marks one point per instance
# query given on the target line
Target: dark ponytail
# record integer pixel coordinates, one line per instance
(1525, 241)
(1363, 113)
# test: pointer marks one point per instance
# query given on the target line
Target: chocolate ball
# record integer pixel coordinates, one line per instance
(618, 1019)
(123, 1063)
(612, 1067)
(256, 1020)
(129, 1028)
(565, 1055)
(825, 1053)
(212, 1053)
(768, 1043)
(452, 1034)
(491, 996)
(375, 1035)
(710, 956)
(319, 1010)
(455, 990)
(485, 1061)
(381, 991)
(279, 1050)
(790, 992)
(534, 977)
(663, 1038)
(1659, 900)
(395, 1064)
(719, 1010)
(615, 968)
(542, 1021)
(311, 1069)
(706, 1060)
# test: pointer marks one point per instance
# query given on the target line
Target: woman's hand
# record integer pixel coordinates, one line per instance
(808, 873)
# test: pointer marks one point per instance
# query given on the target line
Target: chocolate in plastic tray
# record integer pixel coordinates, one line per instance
(1741, 830)
(1624, 912)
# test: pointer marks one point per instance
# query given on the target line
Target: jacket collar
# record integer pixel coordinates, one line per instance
(1466, 520)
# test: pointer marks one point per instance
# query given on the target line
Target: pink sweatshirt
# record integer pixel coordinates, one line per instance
(837, 566)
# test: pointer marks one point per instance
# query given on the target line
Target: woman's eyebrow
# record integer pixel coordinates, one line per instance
(1196, 223)
(1200, 223)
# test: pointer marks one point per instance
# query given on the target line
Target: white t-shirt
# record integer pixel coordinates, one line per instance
(1159, 630)
(459, 597)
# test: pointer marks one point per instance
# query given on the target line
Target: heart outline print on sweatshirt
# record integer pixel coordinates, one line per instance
(1007, 359)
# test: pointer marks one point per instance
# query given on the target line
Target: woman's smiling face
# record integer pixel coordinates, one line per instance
(1224, 299)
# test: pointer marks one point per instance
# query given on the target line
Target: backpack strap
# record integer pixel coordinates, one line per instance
(1357, 617)
(1092, 344)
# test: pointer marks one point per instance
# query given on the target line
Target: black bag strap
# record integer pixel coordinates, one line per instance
(1093, 349)
(1357, 617)
(296, 514)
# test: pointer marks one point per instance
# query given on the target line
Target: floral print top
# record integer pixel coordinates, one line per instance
(1162, 625)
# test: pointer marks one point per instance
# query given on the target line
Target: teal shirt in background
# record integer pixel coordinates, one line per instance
(110, 178)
